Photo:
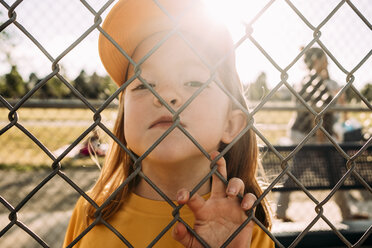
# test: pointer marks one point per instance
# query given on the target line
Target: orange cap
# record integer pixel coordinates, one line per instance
(129, 22)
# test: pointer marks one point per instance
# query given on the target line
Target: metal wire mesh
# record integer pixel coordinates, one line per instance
(56, 164)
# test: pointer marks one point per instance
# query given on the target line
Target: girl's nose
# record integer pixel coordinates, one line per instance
(170, 97)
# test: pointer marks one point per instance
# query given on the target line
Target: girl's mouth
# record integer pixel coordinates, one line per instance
(164, 121)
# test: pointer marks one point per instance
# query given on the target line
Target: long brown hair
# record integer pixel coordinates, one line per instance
(241, 159)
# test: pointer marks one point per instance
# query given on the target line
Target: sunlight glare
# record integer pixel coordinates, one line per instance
(235, 14)
(228, 13)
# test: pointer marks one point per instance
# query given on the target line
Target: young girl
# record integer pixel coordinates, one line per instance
(174, 95)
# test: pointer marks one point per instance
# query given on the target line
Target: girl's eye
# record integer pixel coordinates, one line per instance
(142, 87)
(194, 84)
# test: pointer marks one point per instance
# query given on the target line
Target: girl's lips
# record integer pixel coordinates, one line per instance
(164, 121)
(164, 124)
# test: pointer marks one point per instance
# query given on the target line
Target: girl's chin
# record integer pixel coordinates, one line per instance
(176, 155)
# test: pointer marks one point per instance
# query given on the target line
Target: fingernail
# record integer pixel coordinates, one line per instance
(180, 197)
(245, 205)
(231, 191)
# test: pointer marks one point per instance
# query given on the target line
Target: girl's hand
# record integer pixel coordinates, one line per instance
(219, 216)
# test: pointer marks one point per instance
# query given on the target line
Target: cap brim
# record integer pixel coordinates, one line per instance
(128, 23)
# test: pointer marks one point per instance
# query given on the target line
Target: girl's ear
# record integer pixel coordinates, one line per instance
(236, 122)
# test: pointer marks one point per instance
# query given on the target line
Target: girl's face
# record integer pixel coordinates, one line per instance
(175, 72)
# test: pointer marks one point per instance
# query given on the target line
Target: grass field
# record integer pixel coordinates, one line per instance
(56, 128)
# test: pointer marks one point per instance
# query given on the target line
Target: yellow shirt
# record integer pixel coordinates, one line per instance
(140, 220)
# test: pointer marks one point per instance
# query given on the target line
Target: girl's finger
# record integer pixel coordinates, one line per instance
(235, 187)
(218, 187)
(194, 203)
(182, 235)
(248, 201)
(182, 196)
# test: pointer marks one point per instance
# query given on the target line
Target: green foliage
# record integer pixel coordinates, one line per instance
(54, 88)
(91, 86)
(351, 96)
(367, 91)
(94, 86)
(13, 85)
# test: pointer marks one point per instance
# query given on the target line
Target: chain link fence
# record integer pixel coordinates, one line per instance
(26, 210)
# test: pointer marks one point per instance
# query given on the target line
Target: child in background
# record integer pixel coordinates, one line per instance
(175, 72)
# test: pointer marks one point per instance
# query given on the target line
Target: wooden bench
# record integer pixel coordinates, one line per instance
(320, 167)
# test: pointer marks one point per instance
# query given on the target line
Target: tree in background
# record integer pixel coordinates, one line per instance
(33, 80)
(90, 86)
(105, 86)
(94, 86)
(351, 96)
(81, 84)
(13, 85)
(53, 89)
(366, 91)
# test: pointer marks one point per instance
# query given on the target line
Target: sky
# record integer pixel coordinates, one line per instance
(56, 24)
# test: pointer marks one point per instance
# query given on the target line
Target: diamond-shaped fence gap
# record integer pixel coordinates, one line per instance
(15, 192)
(20, 148)
(250, 63)
(310, 111)
(53, 88)
(52, 133)
(89, 152)
(33, 214)
(358, 36)
(344, 204)
(315, 11)
(42, 27)
(83, 176)
(275, 129)
(30, 59)
(85, 56)
(332, 209)
(281, 33)
(300, 209)
(16, 235)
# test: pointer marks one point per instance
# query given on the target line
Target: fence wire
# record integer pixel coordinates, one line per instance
(56, 166)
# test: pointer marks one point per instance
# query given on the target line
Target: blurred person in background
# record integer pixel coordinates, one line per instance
(317, 90)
